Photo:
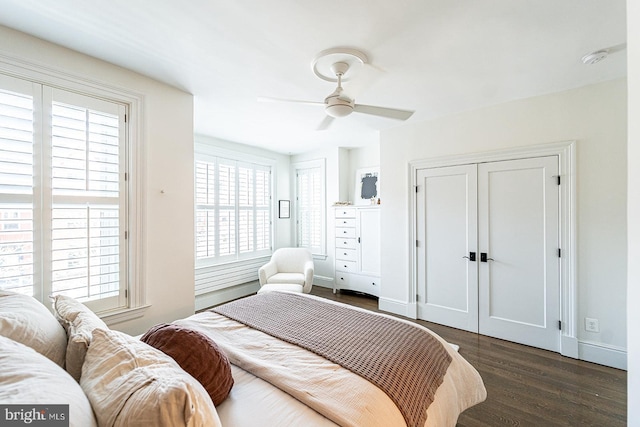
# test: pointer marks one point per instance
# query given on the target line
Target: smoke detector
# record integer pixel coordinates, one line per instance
(595, 57)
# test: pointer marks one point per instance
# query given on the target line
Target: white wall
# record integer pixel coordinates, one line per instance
(594, 116)
(167, 140)
(633, 195)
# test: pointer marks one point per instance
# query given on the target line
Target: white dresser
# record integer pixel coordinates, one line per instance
(357, 250)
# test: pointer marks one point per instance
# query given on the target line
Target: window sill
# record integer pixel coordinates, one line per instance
(119, 316)
(320, 257)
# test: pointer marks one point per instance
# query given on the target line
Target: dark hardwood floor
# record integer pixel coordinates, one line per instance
(527, 386)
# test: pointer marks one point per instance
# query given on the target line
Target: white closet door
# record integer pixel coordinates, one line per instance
(446, 231)
(519, 283)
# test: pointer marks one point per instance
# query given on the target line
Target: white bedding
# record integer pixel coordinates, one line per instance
(281, 384)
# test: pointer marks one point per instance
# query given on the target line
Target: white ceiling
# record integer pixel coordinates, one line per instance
(436, 57)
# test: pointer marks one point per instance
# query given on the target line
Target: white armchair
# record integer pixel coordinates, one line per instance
(290, 267)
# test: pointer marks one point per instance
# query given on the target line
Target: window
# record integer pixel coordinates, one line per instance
(309, 187)
(233, 210)
(62, 194)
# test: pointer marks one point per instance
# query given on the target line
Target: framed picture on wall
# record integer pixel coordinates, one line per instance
(284, 209)
(367, 189)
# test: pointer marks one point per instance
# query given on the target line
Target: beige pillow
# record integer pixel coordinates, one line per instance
(29, 378)
(79, 322)
(130, 383)
(24, 319)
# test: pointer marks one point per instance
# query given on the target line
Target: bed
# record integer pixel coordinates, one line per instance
(308, 386)
(291, 360)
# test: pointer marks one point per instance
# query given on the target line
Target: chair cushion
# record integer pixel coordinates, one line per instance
(296, 278)
(290, 287)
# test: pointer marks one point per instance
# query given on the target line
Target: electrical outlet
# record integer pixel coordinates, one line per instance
(591, 325)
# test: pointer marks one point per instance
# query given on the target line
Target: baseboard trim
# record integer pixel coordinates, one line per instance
(394, 306)
(227, 294)
(325, 282)
(603, 354)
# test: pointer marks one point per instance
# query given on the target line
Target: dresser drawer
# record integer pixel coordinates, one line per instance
(346, 266)
(345, 213)
(346, 222)
(345, 243)
(345, 232)
(346, 254)
(367, 284)
(342, 280)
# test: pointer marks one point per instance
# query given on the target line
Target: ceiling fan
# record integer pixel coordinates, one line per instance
(338, 104)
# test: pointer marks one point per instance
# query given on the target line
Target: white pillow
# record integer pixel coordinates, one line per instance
(30, 378)
(131, 384)
(79, 322)
(24, 319)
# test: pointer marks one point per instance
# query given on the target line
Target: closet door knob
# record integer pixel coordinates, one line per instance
(471, 257)
(484, 258)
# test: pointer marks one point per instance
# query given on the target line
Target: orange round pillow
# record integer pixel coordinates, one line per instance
(197, 354)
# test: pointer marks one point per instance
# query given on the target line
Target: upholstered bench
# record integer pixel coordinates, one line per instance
(291, 287)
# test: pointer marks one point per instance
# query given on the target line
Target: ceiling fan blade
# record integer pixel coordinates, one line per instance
(267, 99)
(391, 113)
(325, 123)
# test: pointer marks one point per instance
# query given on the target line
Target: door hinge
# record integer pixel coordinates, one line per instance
(559, 253)
(418, 297)
(416, 188)
(558, 179)
(560, 324)
(125, 118)
(417, 243)
(126, 235)
(126, 293)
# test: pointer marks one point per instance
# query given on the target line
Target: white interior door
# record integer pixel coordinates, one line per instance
(447, 233)
(519, 283)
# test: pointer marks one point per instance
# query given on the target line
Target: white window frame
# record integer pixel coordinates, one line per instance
(135, 287)
(210, 154)
(318, 252)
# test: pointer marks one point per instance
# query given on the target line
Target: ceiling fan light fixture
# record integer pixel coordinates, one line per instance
(338, 110)
(594, 57)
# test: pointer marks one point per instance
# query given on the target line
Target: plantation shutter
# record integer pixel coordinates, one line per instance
(233, 209)
(16, 186)
(87, 223)
(309, 208)
(205, 210)
(62, 195)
